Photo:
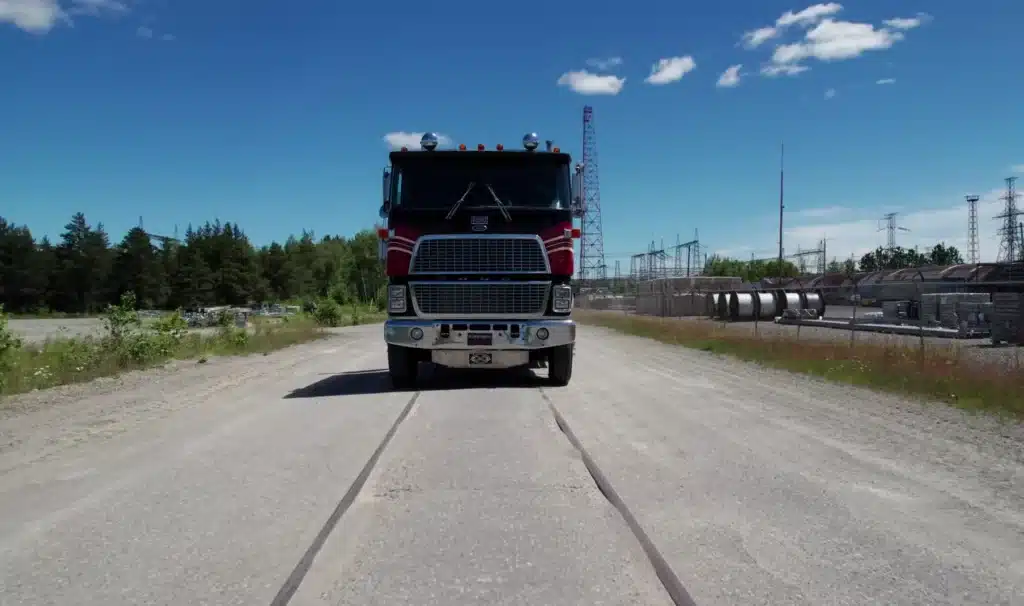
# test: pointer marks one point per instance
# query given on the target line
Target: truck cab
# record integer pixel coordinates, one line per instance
(478, 247)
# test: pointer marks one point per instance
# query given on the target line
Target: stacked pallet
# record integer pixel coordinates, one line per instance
(896, 311)
(1007, 323)
(940, 309)
(974, 317)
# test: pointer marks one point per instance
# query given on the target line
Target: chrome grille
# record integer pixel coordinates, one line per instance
(480, 255)
(491, 299)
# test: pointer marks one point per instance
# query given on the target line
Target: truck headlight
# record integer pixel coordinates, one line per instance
(396, 299)
(561, 298)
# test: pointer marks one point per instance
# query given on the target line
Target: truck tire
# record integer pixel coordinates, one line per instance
(560, 365)
(402, 366)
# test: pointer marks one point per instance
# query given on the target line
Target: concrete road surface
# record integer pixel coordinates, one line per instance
(300, 478)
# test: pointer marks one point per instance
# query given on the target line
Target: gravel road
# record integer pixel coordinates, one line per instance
(37, 330)
(241, 481)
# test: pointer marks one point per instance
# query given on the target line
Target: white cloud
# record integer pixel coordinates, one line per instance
(808, 16)
(401, 138)
(826, 39)
(167, 37)
(40, 16)
(671, 69)
(886, 81)
(773, 70)
(605, 64)
(586, 83)
(97, 7)
(759, 36)
(908, 22)
(836, 41)
(856, 231)
(33, 16)
(730, 77)
(830, 93)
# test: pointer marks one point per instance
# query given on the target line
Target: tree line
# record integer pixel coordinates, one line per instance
(879, 259)
(213, 264)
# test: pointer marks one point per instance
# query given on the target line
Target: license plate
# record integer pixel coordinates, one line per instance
(479, 359)
(479, 338)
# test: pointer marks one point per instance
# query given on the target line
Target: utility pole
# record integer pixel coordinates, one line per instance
(782, 181)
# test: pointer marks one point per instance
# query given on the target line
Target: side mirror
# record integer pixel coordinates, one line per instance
(577, 207)
(385, 209)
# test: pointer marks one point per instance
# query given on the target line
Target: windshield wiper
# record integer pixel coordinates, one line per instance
(501, 205)
(458, 203)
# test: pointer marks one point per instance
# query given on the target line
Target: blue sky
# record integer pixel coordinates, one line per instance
(276, 115)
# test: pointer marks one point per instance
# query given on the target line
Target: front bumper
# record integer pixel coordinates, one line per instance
(502, 336)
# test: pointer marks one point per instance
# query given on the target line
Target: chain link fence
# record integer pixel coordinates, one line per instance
(986, 317)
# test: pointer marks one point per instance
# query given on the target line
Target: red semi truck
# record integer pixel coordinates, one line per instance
(478, 247)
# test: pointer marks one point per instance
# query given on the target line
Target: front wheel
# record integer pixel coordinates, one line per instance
(560, 364)
(402, 366)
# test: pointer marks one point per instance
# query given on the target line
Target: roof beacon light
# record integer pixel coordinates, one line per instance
(479, 147)
(531, 141)
(429, 141)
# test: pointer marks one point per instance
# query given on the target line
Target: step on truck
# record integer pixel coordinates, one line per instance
(478, 249)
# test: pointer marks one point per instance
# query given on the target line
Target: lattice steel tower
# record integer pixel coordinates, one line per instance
(973, 252)
(1010, 247)
(592, 266)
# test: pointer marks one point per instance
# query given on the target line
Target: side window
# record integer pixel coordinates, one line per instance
(396, 186)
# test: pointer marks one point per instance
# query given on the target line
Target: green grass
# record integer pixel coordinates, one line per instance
(936, 373)
(131, 344)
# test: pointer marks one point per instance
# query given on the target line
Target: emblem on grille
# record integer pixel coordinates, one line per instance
(479, 358)
(478, 223)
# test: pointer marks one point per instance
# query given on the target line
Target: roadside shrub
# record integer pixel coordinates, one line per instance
(121, 320)
(10, 344)
(328, 313)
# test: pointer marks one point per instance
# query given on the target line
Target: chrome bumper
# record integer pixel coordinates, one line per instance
(400, 332)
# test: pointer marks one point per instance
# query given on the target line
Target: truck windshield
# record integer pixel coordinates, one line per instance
(438, 184)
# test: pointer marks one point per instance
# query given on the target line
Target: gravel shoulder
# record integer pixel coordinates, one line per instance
(763, 487)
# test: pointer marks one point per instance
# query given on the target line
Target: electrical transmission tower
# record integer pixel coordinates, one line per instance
(165, 241)
(972, 228)
(1010, 245)
(637, 266)
(819, 258)
(692, 256)
(592, 265)
(891, 228)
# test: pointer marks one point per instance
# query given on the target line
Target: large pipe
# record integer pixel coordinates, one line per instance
(792, 301)
(765, 305)
(815, 301)
(722, 306)
(741, 306)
